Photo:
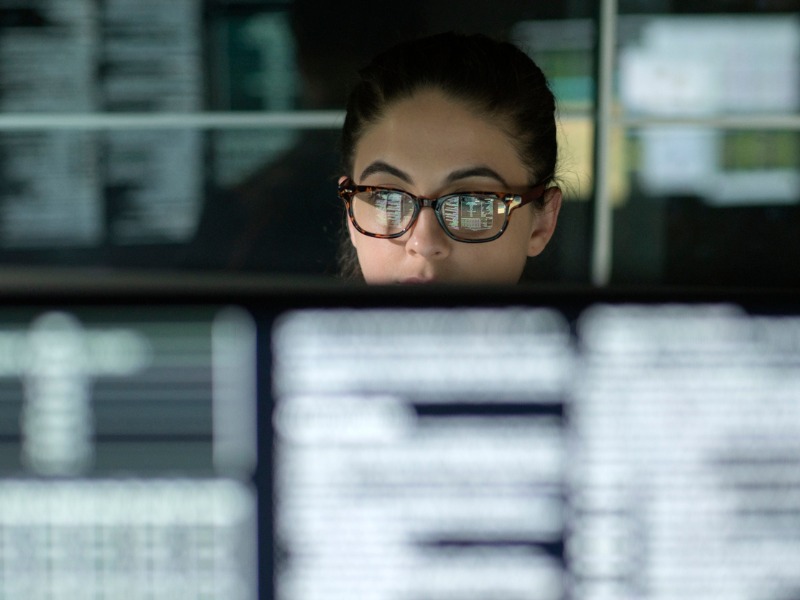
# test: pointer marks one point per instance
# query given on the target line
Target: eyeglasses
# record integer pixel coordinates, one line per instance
(471, 217)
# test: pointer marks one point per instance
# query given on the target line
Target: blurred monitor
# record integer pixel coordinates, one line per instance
(333, 442)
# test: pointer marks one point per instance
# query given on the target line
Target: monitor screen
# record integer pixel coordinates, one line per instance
(126, 453)
(338, 442)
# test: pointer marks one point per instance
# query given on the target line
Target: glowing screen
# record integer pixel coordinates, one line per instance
(126, 451)
(637, 452)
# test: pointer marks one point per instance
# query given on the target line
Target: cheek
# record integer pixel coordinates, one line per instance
(500, 265)
(520, 230)
(375, 257)
(503, 260)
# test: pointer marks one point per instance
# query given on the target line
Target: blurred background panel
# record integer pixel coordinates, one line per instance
(708, 106)
(201, 135)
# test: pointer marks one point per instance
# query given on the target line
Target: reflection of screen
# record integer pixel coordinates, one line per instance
(420, 444)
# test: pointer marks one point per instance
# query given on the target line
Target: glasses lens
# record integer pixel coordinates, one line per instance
(383, 212)
(473, 216)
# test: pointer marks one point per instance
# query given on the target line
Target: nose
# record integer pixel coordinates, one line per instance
(427, 238)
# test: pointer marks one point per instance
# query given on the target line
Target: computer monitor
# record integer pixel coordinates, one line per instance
(327, 441)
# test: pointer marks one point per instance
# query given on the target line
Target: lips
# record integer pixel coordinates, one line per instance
(416, 280)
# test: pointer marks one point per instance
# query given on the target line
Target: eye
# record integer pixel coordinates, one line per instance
(471, 212)
(387, 196)
(392, 206)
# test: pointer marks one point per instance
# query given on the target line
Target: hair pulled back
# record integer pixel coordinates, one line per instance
(495, 79)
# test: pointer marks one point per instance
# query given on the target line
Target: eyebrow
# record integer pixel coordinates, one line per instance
(380, 166)
(481, 171)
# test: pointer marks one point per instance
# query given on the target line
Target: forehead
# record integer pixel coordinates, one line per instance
(429, 134)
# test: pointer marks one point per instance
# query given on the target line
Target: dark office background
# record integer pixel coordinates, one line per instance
(201, 136)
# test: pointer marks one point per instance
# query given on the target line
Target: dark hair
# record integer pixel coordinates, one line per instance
(334, 39)
(496, 79)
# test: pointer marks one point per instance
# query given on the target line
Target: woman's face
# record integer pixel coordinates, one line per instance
(430, 145)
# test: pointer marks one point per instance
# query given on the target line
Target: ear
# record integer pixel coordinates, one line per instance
(545, 222)
(350, 229)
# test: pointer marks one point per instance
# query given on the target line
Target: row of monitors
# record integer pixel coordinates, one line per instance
(327, 442)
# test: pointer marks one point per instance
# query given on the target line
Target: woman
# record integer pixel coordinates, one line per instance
(449, 149)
